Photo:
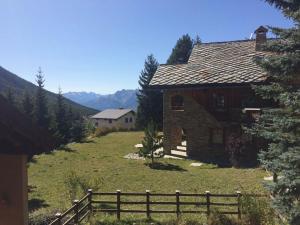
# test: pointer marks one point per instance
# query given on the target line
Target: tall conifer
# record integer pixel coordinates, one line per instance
(41, 107)
(149, 101)
(182, 50)
(280, 126)
(27, 104)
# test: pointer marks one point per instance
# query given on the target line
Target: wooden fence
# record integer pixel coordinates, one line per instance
(92, 202)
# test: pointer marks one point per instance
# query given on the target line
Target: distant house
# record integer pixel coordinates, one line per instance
(115, 118)
(19, 139)
(205, 97)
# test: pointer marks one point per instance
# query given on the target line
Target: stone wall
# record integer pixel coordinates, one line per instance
(194, 119)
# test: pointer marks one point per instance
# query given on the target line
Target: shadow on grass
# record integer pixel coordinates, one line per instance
(67, 149)
(36, 203)
(165, 166)
(88, 141)
(106, 206)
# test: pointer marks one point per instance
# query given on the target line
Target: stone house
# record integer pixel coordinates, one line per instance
(114, 118)
(19, 139)
(203, 100)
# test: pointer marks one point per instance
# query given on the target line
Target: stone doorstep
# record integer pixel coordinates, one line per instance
(172, 157)
(181, 148)
(196, 164)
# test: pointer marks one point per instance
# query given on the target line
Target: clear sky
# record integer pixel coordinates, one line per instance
(101, 45)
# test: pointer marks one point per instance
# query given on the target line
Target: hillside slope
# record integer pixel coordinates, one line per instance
(19, 86)
(119, 99)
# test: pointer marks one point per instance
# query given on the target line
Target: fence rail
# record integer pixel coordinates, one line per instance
(92, 202)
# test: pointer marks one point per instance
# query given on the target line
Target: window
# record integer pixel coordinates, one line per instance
(177, 102)
(218, 101)
(110, 121)
(130, 119)
(126, 120)
(96, 124)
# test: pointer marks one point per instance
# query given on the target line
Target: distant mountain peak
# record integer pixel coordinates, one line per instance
(125, 98)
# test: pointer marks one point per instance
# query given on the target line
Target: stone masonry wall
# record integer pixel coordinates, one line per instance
(194, 120)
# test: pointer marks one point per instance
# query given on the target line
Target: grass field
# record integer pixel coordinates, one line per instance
(102, 158)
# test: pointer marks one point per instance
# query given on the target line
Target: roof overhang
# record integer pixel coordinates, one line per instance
(203, 86)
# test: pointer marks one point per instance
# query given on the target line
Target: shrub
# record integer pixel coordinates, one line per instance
(241, 150)
(99, 132)
(42, 217)
(257, 211)
(217, 218)
(77, 186)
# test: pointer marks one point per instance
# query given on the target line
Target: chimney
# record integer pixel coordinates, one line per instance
(261, 37)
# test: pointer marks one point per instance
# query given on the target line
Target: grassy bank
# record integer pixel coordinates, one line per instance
(102, 159)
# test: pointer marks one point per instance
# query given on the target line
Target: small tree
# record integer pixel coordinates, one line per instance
(151, 141)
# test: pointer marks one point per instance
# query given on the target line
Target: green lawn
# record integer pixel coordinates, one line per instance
(103, 158)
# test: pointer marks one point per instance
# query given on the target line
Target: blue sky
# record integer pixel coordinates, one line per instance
(101, 45)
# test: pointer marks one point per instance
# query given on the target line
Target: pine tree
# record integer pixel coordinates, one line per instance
(280, 126)
(197, 40)
(27, 104)
(182, 50)
(62, 128)
(41, 107)
(10, 96)
(149, 101)
(151, 141)
(78, 129)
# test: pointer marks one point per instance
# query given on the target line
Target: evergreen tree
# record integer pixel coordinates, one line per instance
(197, 40)
(10, 96)
(62, 128)
(78, 129)
(27, 104)
(182, 50)
(41, 107)
(151, 141)
(149, 101)
(280, 126)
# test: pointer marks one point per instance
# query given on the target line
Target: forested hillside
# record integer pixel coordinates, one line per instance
(18, 86)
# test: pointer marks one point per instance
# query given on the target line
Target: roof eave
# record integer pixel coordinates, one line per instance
(204, 86)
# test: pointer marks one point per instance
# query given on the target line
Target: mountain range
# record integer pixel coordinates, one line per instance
(120, 99)
(18, 86)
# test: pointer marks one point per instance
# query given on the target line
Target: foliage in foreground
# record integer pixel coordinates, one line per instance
(280, 127)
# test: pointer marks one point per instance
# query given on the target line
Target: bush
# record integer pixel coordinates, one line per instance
(99, 132)
(77, 186)
(241, 150)
(217, 218)
(42, 217)
(257, 211)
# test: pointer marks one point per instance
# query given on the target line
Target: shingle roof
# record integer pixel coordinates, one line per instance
(111, 113)
(214, 63)
(18, 135)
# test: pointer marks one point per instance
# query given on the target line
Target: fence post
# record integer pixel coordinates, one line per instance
(58, 216)
(177, 203)
(148, 203)
(208, 202)
(76, 209)
(118, 204)
(90, 192)
(239, 204)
